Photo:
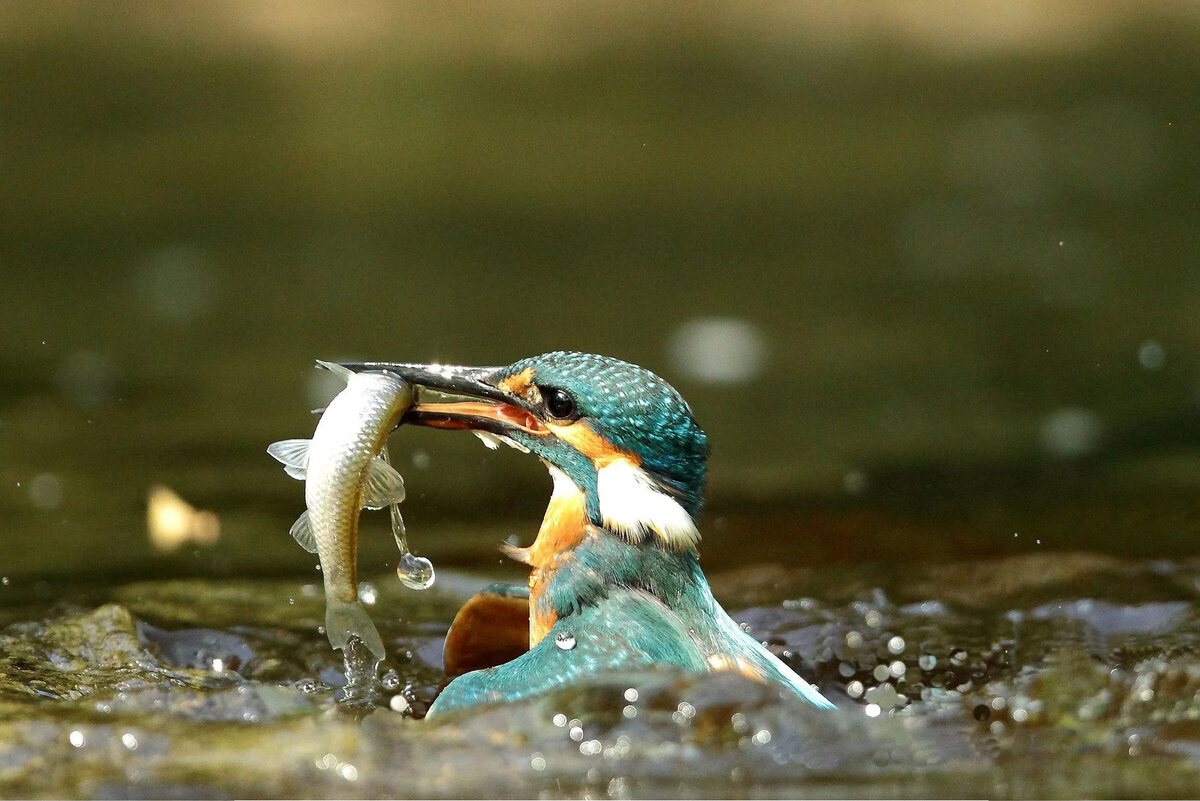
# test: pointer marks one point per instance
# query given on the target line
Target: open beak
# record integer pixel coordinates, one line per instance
(479, 404)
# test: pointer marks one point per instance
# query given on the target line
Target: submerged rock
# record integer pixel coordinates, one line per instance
(73, 656)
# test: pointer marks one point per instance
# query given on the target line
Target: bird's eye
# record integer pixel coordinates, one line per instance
(559, 403)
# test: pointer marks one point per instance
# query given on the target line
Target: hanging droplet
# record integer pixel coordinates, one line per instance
(565, 640)
(415, 572)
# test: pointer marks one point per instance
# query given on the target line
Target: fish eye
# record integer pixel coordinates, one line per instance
(559, 403)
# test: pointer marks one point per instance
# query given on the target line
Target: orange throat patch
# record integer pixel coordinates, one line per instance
(563, 528)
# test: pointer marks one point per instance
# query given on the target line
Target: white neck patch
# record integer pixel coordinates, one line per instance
(632, 504)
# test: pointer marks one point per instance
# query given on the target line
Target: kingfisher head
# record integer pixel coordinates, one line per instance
(620, 435)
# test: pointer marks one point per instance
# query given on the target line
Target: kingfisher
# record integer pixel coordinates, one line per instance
(615, 581)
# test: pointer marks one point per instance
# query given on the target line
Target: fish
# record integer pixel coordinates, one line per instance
(345, 469)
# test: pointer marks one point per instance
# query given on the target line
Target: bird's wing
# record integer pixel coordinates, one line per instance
(629, 629)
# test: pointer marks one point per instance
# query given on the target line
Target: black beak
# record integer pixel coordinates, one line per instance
(485, 406)
(451, 379)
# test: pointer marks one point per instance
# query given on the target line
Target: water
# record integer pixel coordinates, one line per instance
(929, 287)
(993, 678)
(415, 572)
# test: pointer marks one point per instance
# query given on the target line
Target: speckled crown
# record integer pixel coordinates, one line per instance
(633, 409)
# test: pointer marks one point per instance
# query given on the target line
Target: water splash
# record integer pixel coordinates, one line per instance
(361, 688)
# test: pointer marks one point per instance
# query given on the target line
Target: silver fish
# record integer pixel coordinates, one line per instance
(343, 473)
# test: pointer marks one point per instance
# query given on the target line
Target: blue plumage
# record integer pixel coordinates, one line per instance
(625, 606)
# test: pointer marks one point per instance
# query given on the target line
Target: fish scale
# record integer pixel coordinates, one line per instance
(348, 437)
(343, 474)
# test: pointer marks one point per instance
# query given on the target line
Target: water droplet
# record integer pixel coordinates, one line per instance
(177, 282)
(873, 710)
(46, 491)
(367, 593)
(415, 572)
(129, 741)
(77, 739)
(855, 482)
(1151, 355)
(349, 772)
(927, 662)
(1072, 432)
(719, 350)
(761, 737)
(87, 379)
(896, 645)
(399, 703)
(854, 689)
(390, 680)
(631, 695)
(537, 761)
(560, 720)
(565, 640)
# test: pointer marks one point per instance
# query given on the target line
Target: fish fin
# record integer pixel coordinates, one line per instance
(302, 531)
(293, 455)
(384, 486)
(343, 373)
(346, 619)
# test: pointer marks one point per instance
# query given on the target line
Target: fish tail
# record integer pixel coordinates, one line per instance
(343, 373)
(346, 619)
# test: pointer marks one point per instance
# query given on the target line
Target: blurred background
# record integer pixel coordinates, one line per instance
(927, 272)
